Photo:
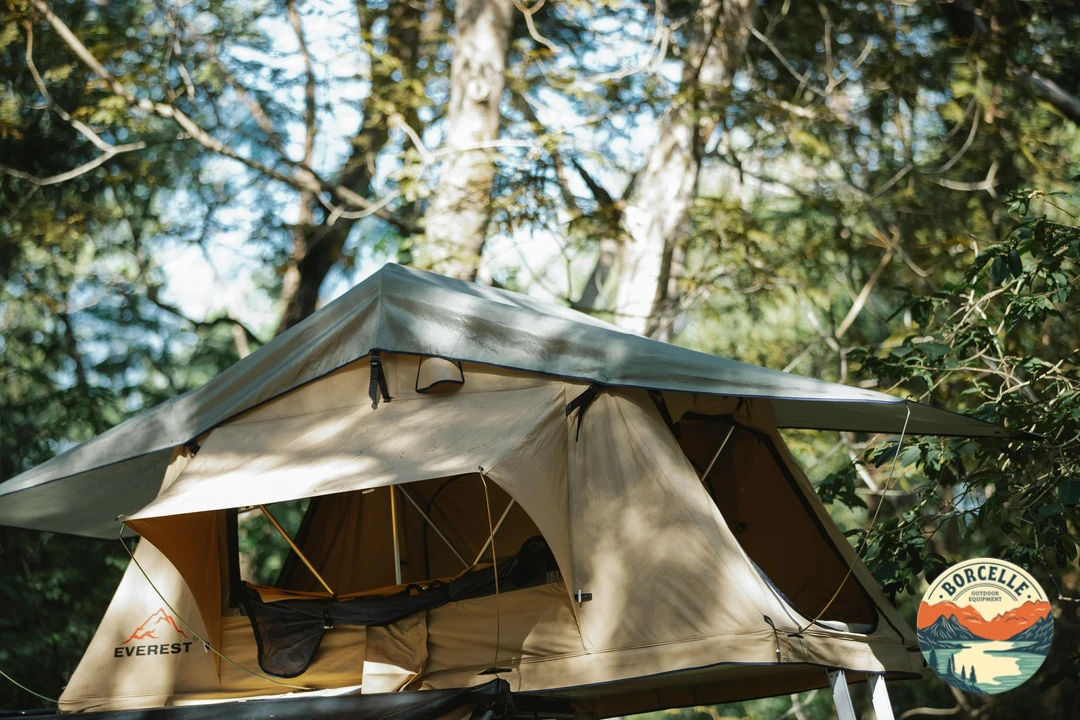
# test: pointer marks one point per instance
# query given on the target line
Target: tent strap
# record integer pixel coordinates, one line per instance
(377, 382)
(661, 405)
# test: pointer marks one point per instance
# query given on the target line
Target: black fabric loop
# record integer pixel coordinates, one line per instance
(377, 382)
(582, 403)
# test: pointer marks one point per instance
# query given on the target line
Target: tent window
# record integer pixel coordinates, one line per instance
(442, 530)
(771, 519)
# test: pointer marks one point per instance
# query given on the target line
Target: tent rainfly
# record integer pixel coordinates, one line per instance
(503, 499)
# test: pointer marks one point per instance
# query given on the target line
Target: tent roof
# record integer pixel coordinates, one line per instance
(399, 309)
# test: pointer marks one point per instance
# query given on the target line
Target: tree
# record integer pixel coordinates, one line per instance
(1003, 338)
(655, 211)
(457, 221)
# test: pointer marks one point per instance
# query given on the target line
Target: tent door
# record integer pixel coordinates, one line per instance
(842, 696)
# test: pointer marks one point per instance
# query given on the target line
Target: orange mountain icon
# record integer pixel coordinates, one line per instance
(1001, 627)
(152, 624)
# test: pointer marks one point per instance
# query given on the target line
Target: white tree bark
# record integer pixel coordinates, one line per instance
(658, 212)
(457, 220)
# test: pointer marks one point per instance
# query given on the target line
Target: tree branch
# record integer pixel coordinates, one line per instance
(1049, 91)
(100, 160)
(864, 294)
(310, 119)
(154, 297)
(304, 178)
(969, 25)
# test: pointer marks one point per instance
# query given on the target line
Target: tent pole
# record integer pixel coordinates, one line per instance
(491, 538)
(717, 454)
(434, 527)
(841, 695)
(879, 695)
(397, 545)
(295, 549)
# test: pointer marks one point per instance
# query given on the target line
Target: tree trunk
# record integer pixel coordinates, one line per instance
(658, 212)
(318, 245)
(460, 210)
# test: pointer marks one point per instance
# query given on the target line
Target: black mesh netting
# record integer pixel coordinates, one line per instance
(288, 632)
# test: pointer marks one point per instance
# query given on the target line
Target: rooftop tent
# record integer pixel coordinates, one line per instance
(496, 486)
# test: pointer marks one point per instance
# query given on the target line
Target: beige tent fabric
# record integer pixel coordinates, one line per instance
(535, 625)
(109, 678)
(194, 544)
(648, 542)
(261, 461)
(659, 569)
(395, 655)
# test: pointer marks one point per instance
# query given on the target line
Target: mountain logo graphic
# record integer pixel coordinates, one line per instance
(985, 626)
(159, 634)
(157, 623)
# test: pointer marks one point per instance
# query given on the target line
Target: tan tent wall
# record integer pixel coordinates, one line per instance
(103, 681)
(195, 546)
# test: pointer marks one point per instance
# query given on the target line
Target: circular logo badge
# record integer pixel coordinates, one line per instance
(985, 626)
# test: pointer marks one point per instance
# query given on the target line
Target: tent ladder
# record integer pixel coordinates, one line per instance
(842, 696)
(879, 695)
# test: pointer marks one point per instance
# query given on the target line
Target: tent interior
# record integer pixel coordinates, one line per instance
(623, 550)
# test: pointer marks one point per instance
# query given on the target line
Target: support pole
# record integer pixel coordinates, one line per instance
(879, 695)
(841, 696)
(716, 455)
(491, 538)
(397, 544)
(434, 527)
(295, 549)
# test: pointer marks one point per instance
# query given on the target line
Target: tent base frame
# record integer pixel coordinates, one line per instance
(492, 701)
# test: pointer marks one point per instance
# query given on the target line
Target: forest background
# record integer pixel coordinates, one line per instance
(881, 194)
